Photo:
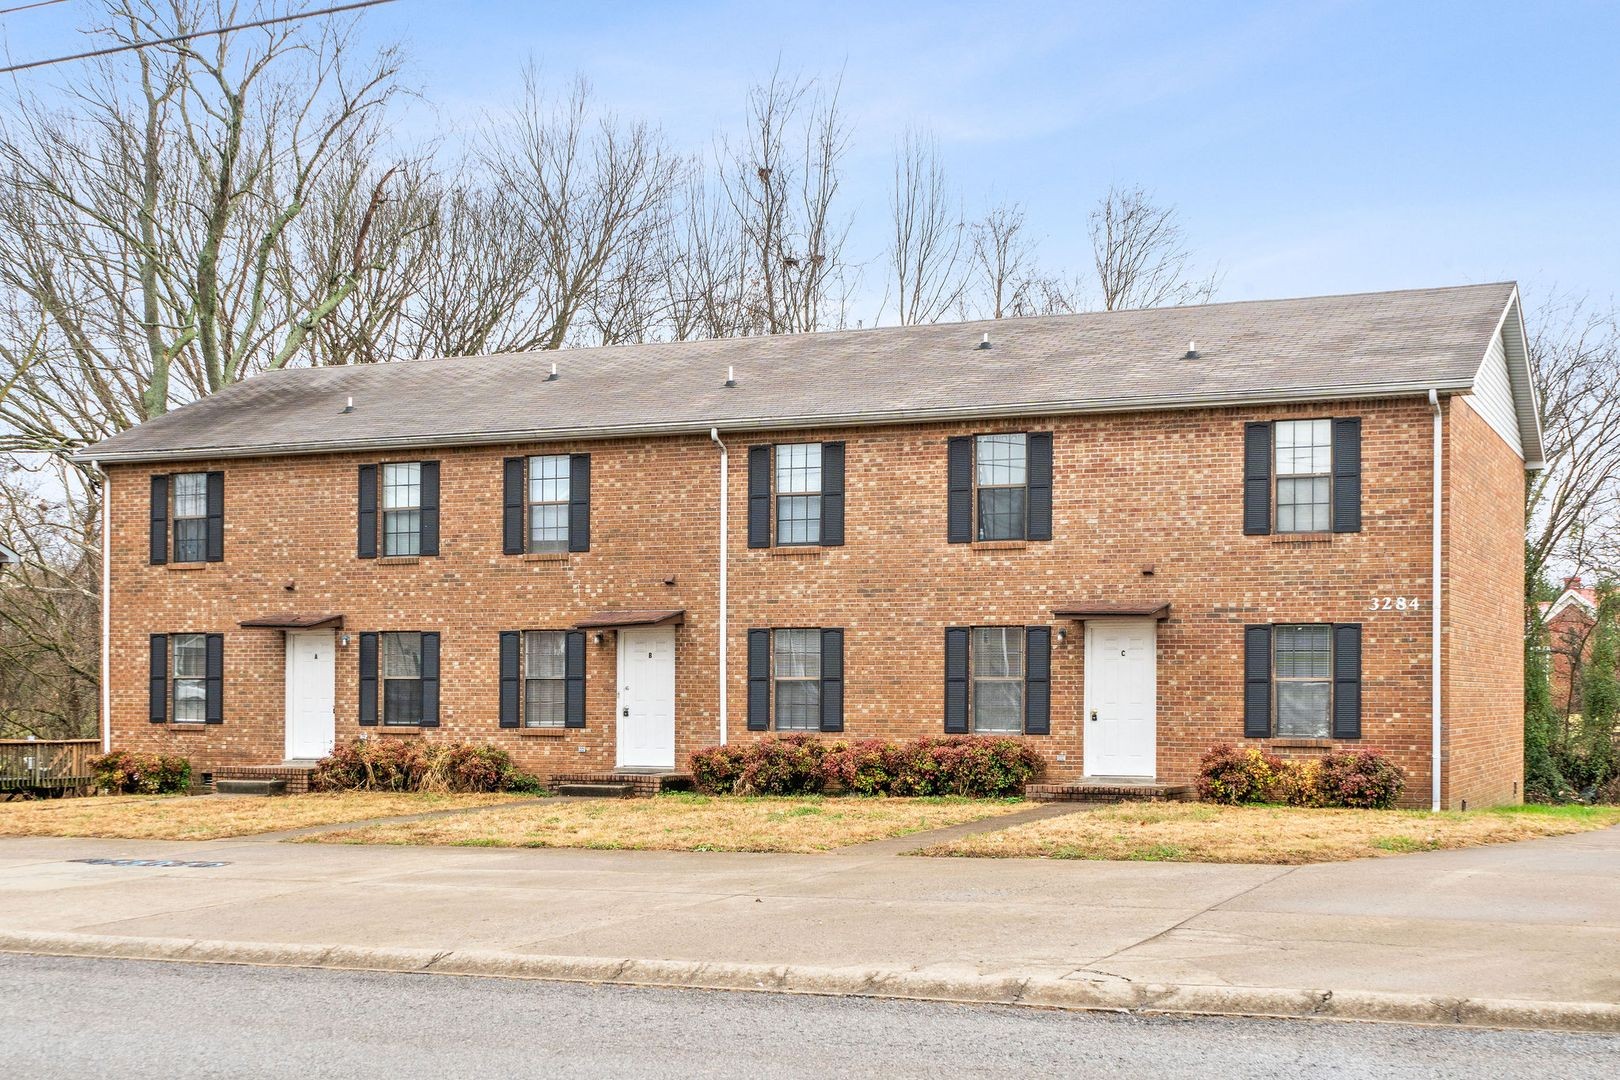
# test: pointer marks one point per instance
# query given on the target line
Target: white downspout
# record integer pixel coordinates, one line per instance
(106, 610)
(1434, 611)
(725, 487)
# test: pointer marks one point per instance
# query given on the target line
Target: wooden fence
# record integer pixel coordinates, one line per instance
(46, 766)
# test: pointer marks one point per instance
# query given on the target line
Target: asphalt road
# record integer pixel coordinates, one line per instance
(64, 1017)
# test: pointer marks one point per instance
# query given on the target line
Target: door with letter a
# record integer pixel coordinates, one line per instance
(1120, 724)
(647, 698)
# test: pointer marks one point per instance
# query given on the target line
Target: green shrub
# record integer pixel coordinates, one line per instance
(1362, 779)
(1228, 774)
(717, 769)
(417, 765)
(122, 772)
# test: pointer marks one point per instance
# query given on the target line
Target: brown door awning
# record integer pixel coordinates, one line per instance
(1109, 609)
(297, 620)
(607, 620)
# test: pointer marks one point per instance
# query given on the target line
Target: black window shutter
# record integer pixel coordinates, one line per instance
(1040, 486)
(1347, 475)
(832, 496)
(959, 479)
(511, 678)
(759, 680)
(1256, 479)
(214, 681)
(1038, 680)
(513, 501)
(368, 680)
(216, 517)
(159, 540)
(579, 502)
(574, 688)
(157, 709)
(1256, 682)
(430, 680)
(759, 496)
(832, 678)
(1347, 681)
(430, 508)
(368, 514)
(956, 680)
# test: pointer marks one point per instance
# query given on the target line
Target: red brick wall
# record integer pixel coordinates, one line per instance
(1132, 492)
(1483, 696)
(1569, 637)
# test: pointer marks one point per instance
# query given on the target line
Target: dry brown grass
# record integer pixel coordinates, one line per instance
(683, 823)
(1199, 832)
(209, 817)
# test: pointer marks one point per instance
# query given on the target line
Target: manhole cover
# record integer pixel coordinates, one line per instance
(195, 863)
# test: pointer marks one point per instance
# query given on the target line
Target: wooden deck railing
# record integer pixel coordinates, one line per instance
(46, 765)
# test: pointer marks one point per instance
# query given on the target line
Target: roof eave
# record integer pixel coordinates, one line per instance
(1305, 395)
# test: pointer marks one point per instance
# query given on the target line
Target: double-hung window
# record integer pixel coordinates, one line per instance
(1304, 452)
(1304, 680)
(1001, 477)
(402, 508)
(997, 666)
(545, 671)
(402, 679)
(189, 684)
(190, 512)
(548, 502)
(798, 493)
(797, 673)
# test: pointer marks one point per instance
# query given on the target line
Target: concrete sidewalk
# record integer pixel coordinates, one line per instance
(1516, 935)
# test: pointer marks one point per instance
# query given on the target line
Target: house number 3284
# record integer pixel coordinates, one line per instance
(1395, 603)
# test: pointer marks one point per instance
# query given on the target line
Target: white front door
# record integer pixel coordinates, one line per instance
(310, 678)
(1121, 698)
(647, 698)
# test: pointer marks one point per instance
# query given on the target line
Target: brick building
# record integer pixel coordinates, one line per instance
(1570, 619)
(1124, 536)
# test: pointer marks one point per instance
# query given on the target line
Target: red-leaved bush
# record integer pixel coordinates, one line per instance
(802, 764)
(1363, 779)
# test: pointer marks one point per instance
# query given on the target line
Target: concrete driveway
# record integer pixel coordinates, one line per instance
(1529, 930)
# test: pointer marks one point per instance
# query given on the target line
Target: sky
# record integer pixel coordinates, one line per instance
(1309, 147)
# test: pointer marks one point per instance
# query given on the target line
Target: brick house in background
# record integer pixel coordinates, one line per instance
(1570, 620)
(1123, 536)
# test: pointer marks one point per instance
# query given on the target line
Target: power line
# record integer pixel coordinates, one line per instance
(194, 34)
(30, 7)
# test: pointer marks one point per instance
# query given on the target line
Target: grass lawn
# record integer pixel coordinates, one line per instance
(209, 817)
(683, 822)
(1200, 832)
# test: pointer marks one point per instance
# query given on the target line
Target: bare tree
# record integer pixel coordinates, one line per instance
(1140, 253)
(1572, 508)
(594, 189)
(1006, 279)
(927, 242)
(782, 180)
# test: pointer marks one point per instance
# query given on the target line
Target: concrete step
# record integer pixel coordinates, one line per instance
(250, 786)
(1110, 791)
(597, 791)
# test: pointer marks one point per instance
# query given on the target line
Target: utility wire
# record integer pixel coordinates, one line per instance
(30, 7)
(188, 37)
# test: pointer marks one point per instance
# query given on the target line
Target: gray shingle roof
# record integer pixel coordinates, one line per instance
(1318, 348)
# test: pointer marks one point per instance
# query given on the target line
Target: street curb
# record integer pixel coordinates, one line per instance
(1048, 993)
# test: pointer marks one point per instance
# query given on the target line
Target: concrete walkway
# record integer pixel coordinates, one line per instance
(1519, 935)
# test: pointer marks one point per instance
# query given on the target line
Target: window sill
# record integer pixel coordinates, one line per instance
(185, 566)
(400, 729)
(542, 732)
(1291, 743)
(1301, 539)
(190, 727)
(795, 551)
(999, 545)
(546, 556)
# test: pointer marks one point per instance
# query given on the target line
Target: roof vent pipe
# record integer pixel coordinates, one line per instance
(984, 342)
(1192, 350)
(349, 405)
(553, 376)
(731, 375)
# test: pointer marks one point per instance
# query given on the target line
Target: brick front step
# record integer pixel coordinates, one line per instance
(1103, 791)
(597, 791)
(295, 776)
(640, 785)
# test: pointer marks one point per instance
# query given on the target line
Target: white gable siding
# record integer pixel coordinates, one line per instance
(1493, 395)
